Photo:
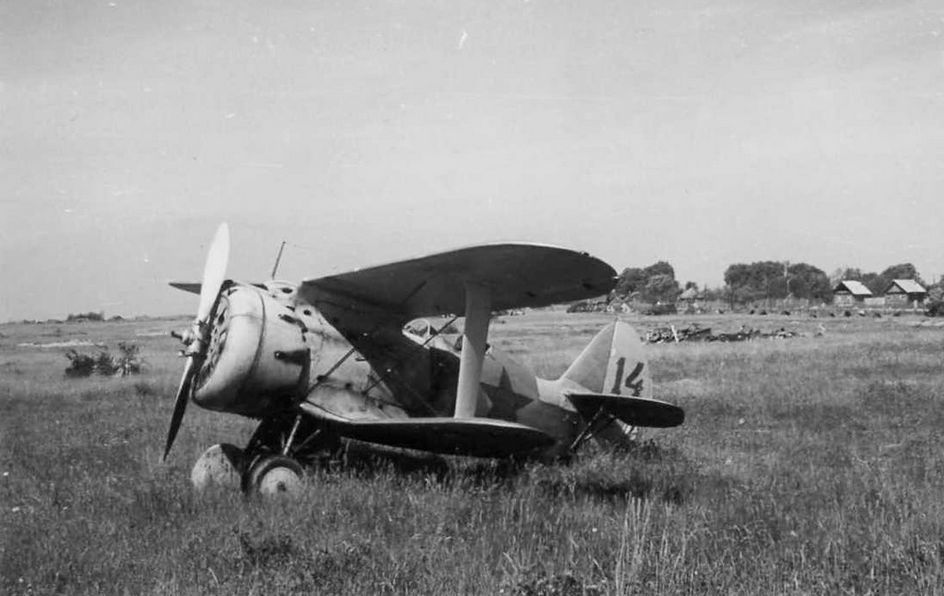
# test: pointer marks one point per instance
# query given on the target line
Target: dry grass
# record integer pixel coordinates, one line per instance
(811, 465)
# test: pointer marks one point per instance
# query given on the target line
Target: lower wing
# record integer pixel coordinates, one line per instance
(477, 437)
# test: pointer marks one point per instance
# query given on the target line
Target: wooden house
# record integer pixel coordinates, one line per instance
(850, 293)
(903, 293)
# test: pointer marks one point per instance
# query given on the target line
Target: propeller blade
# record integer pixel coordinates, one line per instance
(180, 405)
(214, 271)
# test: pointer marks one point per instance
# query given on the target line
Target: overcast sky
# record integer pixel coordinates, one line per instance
(702, 133)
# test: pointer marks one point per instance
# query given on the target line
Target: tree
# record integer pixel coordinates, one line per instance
(630, 281)
(713, 294)
(661, 288)
(758, 281)
(660, 268)
(807, 281)
(901, 271)
(874, 282)
(846, 273)
(936, 292)
(765, 280)
(655, 283)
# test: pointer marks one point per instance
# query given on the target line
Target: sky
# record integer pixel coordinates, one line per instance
(701, 133)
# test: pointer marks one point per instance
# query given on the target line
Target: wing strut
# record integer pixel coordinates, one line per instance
(478, 311)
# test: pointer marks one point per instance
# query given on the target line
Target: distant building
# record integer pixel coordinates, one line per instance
(689, 295)
(903, 293)
(850, 293)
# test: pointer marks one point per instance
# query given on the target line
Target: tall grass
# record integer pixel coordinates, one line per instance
(811, 465)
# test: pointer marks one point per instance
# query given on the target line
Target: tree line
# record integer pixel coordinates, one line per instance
(754, 282)
(877, 283)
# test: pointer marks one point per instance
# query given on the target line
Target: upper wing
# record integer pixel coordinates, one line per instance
(516, 275)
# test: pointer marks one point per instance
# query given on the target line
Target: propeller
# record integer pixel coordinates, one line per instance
(214, 273)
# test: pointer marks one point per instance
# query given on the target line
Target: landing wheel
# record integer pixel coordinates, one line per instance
(272, 475)
(219, 466)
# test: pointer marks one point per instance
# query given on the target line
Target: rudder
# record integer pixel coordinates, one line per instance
(614, 363)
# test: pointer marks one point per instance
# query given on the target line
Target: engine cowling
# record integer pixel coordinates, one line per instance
(257, 358)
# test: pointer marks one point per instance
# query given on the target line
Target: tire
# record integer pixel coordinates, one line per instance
(220, 466)
(274, 475)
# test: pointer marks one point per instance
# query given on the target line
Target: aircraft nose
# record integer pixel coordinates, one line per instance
(256, 352)
(231, 348)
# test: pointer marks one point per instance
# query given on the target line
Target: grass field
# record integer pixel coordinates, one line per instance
(810, 465)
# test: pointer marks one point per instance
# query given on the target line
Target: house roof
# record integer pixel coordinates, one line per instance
(856, 288)
(908, 286)
(689, 294)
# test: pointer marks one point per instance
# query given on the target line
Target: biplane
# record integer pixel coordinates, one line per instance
(334, 358)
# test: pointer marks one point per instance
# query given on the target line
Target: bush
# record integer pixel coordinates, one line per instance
(935, 309)
(105, 364)
(128, 362)
(81, 365)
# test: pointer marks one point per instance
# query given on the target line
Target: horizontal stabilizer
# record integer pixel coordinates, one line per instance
(478, 437)
(635, 411)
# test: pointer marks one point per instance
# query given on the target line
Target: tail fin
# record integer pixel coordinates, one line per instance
(611, 376)
(613, 363)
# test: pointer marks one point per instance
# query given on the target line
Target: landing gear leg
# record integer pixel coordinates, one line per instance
(599, 421)
(279, 450)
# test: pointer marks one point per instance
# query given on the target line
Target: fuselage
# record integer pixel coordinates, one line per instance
(270, 351)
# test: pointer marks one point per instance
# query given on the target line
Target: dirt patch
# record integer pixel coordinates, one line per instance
(72, 343)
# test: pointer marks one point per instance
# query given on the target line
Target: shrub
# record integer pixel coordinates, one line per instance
(128, 362)
(81, 365)
(935, 309)
(105, 364)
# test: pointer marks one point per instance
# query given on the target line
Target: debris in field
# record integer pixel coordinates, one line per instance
(128, 362)
(695, 332)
